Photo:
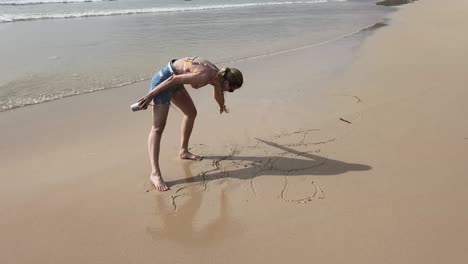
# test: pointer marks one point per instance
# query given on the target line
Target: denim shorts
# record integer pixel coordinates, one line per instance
(162, 75)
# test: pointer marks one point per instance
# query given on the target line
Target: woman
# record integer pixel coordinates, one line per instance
(167, 86)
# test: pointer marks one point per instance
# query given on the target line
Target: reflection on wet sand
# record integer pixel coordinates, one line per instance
(179, 225)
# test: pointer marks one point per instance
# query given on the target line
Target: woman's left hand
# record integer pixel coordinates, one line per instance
(145, 101)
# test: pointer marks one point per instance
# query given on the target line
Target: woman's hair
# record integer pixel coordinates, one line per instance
(233, 76)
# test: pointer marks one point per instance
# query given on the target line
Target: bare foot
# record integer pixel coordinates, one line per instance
(159, 183)
(189, 156)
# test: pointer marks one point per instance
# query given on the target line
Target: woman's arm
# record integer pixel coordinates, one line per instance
(219, 97)
(187, 78)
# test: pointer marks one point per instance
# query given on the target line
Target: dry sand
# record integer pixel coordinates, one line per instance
(285, 182)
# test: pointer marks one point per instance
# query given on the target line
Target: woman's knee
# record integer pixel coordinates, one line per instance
(192, 114)
(157, 130)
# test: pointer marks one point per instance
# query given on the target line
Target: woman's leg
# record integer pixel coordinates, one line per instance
(160, 112)
(184, 102)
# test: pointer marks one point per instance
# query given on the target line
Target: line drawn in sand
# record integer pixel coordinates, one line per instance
(278, 160)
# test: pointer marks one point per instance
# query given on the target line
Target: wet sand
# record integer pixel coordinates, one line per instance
(372, 169)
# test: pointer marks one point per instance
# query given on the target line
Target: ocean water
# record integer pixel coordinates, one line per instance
(51, 49)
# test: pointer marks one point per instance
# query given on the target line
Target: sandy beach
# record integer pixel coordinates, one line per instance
(367, 168)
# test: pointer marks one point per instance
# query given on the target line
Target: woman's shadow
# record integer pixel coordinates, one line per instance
(290, 162)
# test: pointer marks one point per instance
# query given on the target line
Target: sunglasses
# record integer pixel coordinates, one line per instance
(232, 88)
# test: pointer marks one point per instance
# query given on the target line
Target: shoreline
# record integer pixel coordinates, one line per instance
(144, 80)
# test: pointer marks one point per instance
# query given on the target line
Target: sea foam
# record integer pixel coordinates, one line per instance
(42, 2)
(152, 10)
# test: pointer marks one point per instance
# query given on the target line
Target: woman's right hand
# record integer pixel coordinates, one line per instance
(145, 101)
